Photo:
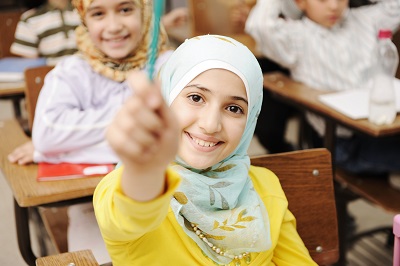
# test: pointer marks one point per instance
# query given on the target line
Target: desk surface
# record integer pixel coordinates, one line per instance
(78, 258)
(12, 88)
(304, 96)
(22, 179)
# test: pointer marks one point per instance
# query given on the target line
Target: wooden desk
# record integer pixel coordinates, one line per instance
(28, 192)
(306, 99)
(78, 258)
(14, 91)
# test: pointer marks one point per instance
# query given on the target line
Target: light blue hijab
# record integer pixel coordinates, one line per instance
(220, 200)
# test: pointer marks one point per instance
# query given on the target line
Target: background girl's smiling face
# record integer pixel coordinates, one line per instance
(115, 27)
(212, 114)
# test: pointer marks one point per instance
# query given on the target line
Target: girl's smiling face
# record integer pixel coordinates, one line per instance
(212, 114)
(326, 13)
(115, 27)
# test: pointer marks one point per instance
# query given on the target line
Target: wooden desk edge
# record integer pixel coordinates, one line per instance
(82, 257)
(283, 86)
(22, 179)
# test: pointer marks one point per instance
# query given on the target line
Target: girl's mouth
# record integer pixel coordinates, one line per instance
(201, 143)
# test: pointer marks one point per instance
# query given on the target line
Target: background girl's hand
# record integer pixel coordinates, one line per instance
(144, 133)
(22, 154)
(175, 18)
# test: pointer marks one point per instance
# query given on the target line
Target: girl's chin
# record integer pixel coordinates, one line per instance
(197, 163)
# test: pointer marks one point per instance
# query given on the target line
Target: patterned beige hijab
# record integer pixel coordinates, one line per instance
(113, 68)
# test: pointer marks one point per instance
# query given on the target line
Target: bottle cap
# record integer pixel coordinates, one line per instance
(385, 34)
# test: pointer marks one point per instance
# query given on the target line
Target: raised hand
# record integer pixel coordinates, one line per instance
(144, 134)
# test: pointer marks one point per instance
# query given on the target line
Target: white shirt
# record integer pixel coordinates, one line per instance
(339, 58)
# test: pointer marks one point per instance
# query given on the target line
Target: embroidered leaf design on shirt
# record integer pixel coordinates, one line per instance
(216, 224)
(225, 205)
(231, 227)
(181, 197)
(224, 168)
(239, 226)
(227, 228)
(221, 184)
(205, 170)
(212, 188)
(213, 173)
(248, 219)
(212, 197)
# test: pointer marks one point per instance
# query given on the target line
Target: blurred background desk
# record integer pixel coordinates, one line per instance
(348, 187)
(28, 193)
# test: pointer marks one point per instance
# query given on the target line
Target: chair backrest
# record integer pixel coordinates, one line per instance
(306, 178)
(34, 78)
(8, 24)
(213, 17)
(396, 232)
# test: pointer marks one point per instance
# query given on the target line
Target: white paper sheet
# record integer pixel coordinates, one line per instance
(354, 103)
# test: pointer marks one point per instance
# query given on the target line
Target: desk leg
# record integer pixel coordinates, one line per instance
(341, 199)
(330, 137)
(23, 234)
(17, 107)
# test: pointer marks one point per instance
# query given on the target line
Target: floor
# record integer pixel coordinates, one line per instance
(366, 215)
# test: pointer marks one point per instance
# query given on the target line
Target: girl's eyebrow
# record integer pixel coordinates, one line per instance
(236, 98)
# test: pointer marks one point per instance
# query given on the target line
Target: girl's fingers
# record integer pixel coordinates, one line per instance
(145, 89)
(139, 114)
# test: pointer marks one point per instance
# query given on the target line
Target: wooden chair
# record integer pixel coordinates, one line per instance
(8, 24)
(34, 79)
(306, 178)
(55, 220)
(213, 17)
(348, 187)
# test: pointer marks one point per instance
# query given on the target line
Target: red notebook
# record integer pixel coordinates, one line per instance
(63, 171)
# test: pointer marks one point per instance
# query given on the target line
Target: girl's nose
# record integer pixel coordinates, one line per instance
(210, 120)
(333, 4)
(114, 24)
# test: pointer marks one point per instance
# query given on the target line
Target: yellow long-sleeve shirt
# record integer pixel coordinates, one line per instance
(138, 233)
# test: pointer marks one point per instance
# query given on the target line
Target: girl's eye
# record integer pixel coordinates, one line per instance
(126, 10)
(235, 109)
(96, 14)
(195, 98)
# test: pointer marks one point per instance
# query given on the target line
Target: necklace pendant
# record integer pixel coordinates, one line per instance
(247, 259)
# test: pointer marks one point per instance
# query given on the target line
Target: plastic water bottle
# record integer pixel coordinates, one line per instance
(382, 102)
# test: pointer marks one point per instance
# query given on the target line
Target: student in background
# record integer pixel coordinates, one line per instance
(27, 153)
(186, 193)
(83, 92)
(332, 48)
(271, 128)
(47, 31)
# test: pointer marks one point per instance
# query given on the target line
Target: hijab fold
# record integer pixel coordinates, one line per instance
(221, 200)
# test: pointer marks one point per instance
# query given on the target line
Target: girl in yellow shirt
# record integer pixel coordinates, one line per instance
(186, 193)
